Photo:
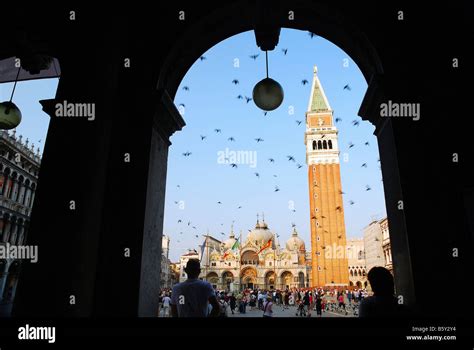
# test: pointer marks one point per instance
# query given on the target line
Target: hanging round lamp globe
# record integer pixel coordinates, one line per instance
(10, 115)
(268, 94)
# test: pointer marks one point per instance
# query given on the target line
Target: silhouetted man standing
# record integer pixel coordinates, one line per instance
(383, 303)
(192, 297)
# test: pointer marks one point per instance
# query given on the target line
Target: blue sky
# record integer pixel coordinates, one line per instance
(34, 122)
(211, 102)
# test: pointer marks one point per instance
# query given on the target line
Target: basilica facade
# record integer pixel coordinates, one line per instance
(256, 261)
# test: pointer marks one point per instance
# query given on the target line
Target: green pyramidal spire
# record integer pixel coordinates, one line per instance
(318, 102)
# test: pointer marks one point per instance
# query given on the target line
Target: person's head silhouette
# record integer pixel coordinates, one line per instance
(193, 268)
(381, 281)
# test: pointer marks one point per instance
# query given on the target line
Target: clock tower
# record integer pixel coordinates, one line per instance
(328, 235)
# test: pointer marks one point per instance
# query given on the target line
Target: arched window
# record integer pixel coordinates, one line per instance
(320, 145)
(325, 145)
(330, 144)
(314, 144)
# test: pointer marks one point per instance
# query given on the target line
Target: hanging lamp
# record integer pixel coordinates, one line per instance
(267, 93)
(10, 114)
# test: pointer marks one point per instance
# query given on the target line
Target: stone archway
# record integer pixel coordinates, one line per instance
(270, 280)
(111, 138)
(227, 280)
(248, 278)
(287, 280)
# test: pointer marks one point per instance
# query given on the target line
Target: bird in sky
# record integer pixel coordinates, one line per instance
(293, 225)
(231, 139)
(257, 175)
(364, 165)
(203, 137)
(274, 176)
(222, 233)
(271, 160)
(290, 158)
(277, 189)
(189, 223)
(285, 51)
(304, 81)
(254, 57)
(299, 166)
(176, 202)
(197, 236)
(258, 139)
(347, 87)
(182, 105)
(351, 145)
(265, 113)
(338, 120)
(233, 165)
(239, 207)
(235, 82)
(219, 202)
(299, 122)
(351, 202)
(366, 143)
(311, 34)
(202, 58)
(240, 97)
(186, 88)
(194, 227)
(248, 99)
(178, 186)
(367, 188)
(180, 221)
(187, 154)
(355, 123)
(217, 130)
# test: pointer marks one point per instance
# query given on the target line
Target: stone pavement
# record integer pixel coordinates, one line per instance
(278, 311)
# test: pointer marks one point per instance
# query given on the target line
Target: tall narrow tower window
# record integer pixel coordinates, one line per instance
(325, 145)
(314, 145)
(320, 145)
(330, 144)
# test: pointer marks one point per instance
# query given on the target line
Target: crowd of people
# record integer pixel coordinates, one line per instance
(197, 298)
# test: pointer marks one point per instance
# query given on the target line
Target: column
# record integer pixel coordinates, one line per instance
(21, 195)
(14, 230)
(14, 194)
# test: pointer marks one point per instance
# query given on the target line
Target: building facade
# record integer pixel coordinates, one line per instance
(258, 261)
(166, 275)
(356, 260)
(386, 246)
(19, 168)
(373, 245)
(325, 191)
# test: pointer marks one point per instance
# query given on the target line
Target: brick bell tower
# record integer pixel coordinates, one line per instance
(328, 235)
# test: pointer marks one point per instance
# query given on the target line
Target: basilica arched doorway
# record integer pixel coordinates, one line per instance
(287, 280)
(213, 279)
(227, 279)
(249, 278)
(270, 280)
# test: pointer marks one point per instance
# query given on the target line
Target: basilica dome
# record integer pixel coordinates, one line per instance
(295, 243)
(260, 233)
(229, 243)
